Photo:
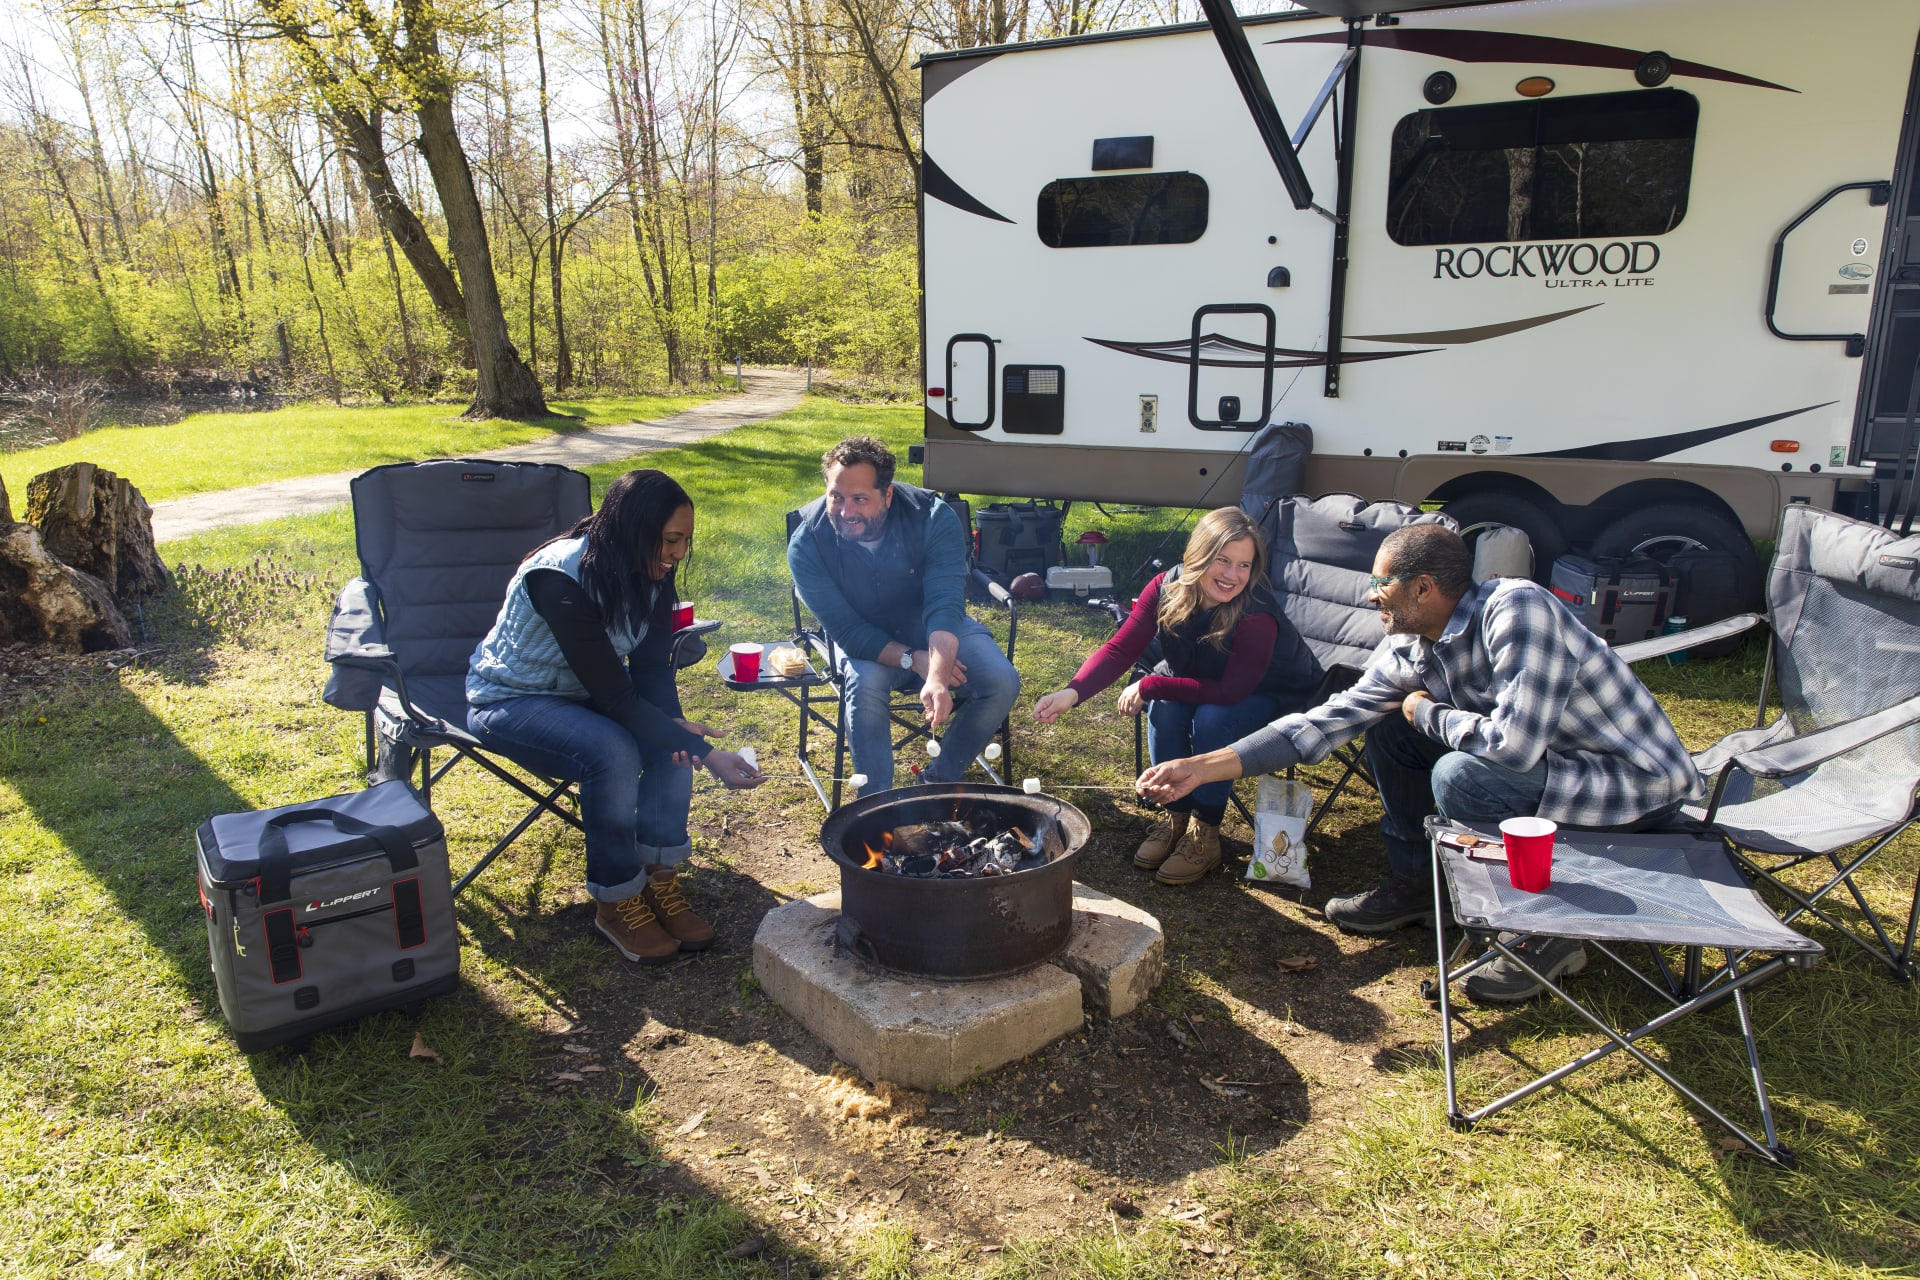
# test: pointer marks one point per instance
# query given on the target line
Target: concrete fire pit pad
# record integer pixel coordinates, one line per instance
(928, 1034)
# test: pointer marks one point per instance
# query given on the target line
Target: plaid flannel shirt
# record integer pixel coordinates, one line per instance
(1514, 678)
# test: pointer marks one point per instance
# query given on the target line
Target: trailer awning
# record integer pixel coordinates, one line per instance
(1352, 10)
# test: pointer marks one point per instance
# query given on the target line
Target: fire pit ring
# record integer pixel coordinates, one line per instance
(973, 927)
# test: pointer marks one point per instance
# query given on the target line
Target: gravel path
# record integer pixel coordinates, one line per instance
(769, 393)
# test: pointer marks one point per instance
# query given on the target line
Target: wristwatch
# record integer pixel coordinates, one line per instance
(906, 659)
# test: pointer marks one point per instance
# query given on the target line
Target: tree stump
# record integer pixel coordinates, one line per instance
(97, 522)
(45, 602)
(6, 507)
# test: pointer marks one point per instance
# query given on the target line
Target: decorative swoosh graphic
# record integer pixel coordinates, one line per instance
(1654, 447)
(1479, 333)
(935, 182)
(1509, 46)
(1219, 352)
(1234, 353)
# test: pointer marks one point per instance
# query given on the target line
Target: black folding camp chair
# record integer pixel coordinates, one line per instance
(817, 692)
(438, 542)
(1811, 799)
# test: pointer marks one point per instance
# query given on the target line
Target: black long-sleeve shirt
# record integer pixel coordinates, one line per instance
(580, 629)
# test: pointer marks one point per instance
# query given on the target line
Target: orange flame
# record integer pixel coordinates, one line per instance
(873, 859)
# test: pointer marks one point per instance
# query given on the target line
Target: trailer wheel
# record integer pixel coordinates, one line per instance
(1662, 530)
(1529, 517)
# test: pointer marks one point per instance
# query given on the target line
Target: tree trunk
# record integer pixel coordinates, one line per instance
(48, 603)
(92, 519)
(504, 386)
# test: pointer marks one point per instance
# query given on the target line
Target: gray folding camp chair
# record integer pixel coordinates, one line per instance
(438, 542)
(1832, 782)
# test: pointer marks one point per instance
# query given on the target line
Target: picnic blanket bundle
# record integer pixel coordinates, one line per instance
(321, 913)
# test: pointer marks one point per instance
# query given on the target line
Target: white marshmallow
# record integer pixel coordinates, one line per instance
(1031, 786)
(747, 754)
(992, 752)
(858, 780)
(933, 746)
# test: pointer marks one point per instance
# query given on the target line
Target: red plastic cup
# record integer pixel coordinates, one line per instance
(1529, 852)
(746, 662)
(682, 616)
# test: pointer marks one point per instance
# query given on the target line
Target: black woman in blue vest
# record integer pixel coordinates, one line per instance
(883, 566)
(1228, 662)
(576, 681)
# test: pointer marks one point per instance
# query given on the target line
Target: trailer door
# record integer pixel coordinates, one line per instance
(971, 399)
(1888, 425)
(1230, 366)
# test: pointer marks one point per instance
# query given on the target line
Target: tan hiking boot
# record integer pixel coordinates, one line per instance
(1198, 854)
(673, 912)
(1159, 843)
(630, 925)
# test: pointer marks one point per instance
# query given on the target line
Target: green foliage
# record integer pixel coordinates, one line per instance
(828, 295)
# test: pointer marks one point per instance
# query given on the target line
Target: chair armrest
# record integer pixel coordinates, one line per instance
(1657, 646)
(1797, 755)
(357, 649)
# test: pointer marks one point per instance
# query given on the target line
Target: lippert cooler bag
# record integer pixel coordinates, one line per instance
(321, 913)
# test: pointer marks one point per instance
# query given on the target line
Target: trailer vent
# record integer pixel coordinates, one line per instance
(1033, 401)
(1123, 153)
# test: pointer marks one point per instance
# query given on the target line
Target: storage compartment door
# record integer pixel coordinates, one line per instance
(1230, 367)
(972, 402)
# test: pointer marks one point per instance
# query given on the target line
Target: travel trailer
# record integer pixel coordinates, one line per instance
(1627, 273)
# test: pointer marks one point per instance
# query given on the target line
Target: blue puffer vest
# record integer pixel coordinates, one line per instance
(520, 656)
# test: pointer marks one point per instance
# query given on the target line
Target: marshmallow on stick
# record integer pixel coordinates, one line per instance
(1031, 786)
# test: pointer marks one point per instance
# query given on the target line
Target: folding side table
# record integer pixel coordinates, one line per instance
(1618, 893)
(812, 693)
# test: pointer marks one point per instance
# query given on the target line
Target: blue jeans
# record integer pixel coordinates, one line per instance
(1418, 776)
(979, 707)
(634, 809)
(1179, 729)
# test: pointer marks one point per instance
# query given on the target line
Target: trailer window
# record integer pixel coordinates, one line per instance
(1610, 164)
(1134, 208)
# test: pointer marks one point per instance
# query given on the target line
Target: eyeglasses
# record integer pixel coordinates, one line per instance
(1378, 581)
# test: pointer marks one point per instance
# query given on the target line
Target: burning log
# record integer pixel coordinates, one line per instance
(955, 849)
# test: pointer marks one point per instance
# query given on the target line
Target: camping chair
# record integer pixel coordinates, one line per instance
(1831, 782)
(817, 693)
(438, 542)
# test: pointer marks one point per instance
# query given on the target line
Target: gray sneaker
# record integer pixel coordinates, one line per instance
(1391, 904)
(1504, 982)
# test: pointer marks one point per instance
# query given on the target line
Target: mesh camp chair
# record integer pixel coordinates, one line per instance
(818, 696)
(438, 542)
(1809, 800)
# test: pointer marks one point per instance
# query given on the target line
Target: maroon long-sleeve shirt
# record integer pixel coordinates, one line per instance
(1249, 651)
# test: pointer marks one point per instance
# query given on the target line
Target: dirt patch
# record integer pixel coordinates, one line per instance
(1271, 1028)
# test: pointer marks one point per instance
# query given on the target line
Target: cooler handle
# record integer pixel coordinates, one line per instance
(276, 860)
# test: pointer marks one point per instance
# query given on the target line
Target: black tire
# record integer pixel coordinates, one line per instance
(1659, 531)
(1662, 530)
(1488, 506)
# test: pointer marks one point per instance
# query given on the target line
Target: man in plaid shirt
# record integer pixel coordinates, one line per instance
(1486, 703)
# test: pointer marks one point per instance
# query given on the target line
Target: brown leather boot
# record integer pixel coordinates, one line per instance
(680, 920)
(1159, 843)
(630, 925)
(1197, 855)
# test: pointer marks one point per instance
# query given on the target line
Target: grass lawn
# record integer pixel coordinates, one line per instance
(208, 451)
(134, 1139)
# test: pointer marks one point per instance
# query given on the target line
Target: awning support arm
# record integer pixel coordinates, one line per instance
(1253, 87)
